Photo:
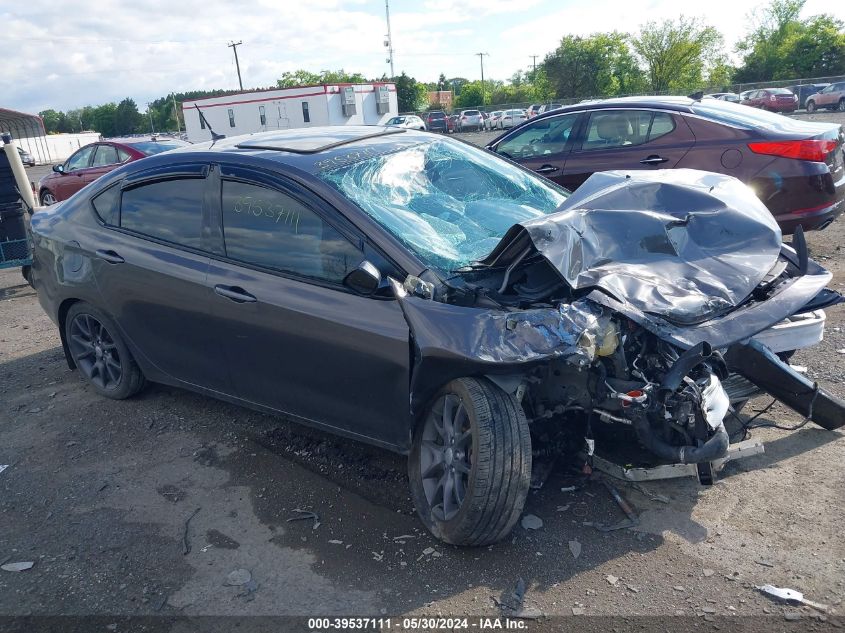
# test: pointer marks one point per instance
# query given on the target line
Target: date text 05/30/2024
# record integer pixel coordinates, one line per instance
(319, 625)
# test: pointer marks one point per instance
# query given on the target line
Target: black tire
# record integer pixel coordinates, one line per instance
(811, 106)
(841, 105)
(498, 459)
(47, 198)
(100, 353)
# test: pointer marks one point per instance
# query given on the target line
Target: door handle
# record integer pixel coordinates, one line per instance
(546, 169)
(110, 256)
(654, 159)
(235, 293)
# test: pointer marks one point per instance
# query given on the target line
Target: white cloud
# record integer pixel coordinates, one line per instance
(105, 50)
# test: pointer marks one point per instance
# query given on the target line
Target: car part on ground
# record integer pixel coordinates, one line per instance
(426, 296)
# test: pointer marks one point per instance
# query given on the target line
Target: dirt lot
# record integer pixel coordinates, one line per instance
(145, 507)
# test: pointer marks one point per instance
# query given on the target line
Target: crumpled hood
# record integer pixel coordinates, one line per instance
(683, 244)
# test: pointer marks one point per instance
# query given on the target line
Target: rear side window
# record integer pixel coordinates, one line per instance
(123, 154)
(170, 210)
(661, 125)
(268, 228)
(105, 205)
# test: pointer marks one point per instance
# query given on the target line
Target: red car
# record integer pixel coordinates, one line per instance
(92, 161)
(772, 99)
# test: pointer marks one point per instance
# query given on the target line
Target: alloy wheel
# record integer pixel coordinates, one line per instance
(95, 352)
(48, 199)
(446, 456)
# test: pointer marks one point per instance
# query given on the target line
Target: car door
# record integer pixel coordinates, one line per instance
(73, 176)
(298, 340)
(151, 270)
(542, 145)
(627, 139)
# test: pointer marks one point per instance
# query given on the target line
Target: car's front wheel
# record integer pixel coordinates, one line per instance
(811, 106)
(100, 353)
(47, 198)
(470, 463)
(841, 105)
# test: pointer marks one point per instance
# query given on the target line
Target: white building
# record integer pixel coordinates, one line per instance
(305, 106)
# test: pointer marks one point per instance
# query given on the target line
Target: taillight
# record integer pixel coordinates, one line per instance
(812, 149)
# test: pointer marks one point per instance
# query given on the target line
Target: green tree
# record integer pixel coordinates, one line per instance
(599, 65)
(442, 83)
(677, 53)
(307, 78)
(51, 120)
(127, 119)
(782, 45)
(472, 95)
(410, 94)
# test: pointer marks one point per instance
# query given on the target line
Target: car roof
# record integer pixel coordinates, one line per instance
(309, 149)
(679, 104)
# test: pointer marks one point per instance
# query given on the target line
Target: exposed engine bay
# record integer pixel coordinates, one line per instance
(633, 305)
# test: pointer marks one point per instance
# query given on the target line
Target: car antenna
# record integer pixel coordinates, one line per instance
(214, 135)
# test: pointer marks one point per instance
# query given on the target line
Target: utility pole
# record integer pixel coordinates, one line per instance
(389, 41)
(176, 113)
(234, 47)
(150, 112)
(534, 57)
(481, 57)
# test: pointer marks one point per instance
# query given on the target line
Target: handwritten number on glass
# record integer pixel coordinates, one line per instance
(263, 209)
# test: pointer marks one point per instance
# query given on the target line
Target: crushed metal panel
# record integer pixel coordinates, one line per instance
(683, 244)
(736, 451)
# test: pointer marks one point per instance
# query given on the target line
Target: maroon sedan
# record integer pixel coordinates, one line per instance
(772, 99)
(795, 167)
(92, 161)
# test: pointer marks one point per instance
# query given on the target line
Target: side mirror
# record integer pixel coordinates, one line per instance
(59, 169)
(365, 279)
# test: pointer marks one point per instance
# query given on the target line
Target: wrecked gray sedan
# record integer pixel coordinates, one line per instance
(426, 296)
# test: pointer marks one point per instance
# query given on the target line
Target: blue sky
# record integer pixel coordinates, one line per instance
(67, 56)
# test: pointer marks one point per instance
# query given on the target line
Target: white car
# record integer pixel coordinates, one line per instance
(492, 122)
(470, 120)
(511, 118)
(407, 120)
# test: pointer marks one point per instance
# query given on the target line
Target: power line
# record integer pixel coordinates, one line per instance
(234, 47)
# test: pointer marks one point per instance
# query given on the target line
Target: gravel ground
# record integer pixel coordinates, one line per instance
(145, 507)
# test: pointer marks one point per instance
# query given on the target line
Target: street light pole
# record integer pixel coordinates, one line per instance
(234, 47)
(150, 112)
(534, 57)
(176, 113)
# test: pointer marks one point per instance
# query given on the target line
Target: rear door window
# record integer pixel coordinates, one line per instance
(268, 228)
(105, 155)
(169, 210)
(624, 128)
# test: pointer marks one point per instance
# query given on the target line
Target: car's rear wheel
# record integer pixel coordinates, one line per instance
(100, 353)
(47, 198)
(811, 106)
(470, 463)
(841, 105)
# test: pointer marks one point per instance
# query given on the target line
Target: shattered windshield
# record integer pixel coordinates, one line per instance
(448, 202)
